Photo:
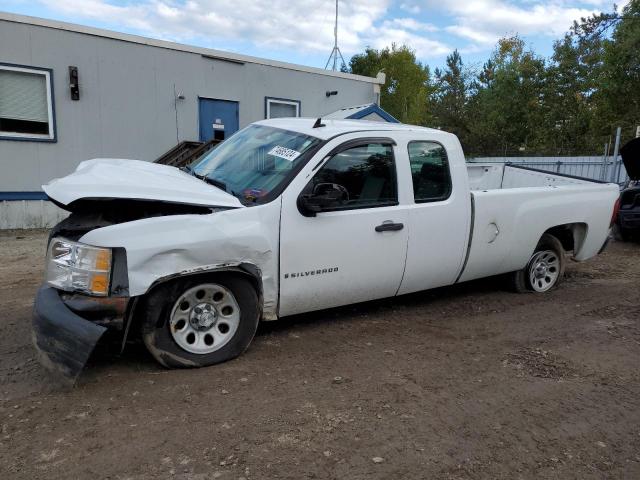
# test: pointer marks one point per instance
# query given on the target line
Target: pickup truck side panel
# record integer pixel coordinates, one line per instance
(508, 223)
(163, 247)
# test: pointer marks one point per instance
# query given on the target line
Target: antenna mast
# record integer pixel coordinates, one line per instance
(335, 53)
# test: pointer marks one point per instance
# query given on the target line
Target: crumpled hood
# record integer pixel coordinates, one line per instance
(135, 179)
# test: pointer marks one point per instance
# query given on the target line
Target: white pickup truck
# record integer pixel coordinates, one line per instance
(289, 216)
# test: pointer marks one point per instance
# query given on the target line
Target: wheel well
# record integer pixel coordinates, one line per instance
(247, 271)
(570, 235)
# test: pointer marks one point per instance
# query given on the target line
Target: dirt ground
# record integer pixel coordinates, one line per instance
(463, 382)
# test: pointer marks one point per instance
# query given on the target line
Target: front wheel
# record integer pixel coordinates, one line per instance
(200, 321)
(544, 270)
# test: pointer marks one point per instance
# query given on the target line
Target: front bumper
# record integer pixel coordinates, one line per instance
(63, 339)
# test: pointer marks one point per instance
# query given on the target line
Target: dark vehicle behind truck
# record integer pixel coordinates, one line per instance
(628, 221)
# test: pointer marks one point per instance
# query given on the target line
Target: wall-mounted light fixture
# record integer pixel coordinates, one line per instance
(180, 96)
(74, 83)
(331, 92)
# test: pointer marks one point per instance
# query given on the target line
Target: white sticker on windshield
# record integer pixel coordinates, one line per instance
(284, 152)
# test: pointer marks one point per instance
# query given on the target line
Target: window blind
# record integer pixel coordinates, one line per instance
(23, 96)
(280, 110)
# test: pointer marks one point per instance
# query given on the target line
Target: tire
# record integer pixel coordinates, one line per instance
(183, 320)
(544, 270)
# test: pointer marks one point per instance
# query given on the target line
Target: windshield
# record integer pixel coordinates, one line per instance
(254, 161)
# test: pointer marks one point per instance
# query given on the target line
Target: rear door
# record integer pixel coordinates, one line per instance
(439, 212)
(354, 249)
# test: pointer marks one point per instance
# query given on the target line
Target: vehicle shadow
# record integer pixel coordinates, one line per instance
(136, 357)
(411, 300)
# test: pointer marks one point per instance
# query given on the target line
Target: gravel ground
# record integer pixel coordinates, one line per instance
(463, 382)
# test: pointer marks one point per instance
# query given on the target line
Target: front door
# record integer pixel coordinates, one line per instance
(218, 118)
(354, 248)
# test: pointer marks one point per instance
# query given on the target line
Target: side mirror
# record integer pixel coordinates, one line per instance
(308, 207)
(325, 195)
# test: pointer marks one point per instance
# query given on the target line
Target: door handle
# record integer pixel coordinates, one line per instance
(389, 226)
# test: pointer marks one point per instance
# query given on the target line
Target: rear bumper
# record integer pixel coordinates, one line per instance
(63, 339)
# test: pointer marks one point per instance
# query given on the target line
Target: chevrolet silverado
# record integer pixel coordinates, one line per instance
(289, 216)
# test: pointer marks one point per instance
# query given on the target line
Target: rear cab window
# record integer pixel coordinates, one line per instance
(429, 171)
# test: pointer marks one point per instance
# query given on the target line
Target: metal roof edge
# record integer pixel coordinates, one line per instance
(374, 108)
(208, 52)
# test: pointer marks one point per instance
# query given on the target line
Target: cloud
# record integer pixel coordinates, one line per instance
(408, 32)
(306, 28)
(478, 36)
(410, 8)
(278, 24)
(410, 24)
(484, 21)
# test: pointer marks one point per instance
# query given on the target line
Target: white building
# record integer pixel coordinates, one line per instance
(69, 93)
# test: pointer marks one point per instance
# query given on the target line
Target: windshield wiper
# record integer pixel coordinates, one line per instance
(216, 183)
(210, 181)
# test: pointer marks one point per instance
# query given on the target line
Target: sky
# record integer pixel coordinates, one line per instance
(302, 31)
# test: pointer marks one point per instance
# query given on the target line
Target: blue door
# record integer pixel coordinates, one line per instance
(218, 118)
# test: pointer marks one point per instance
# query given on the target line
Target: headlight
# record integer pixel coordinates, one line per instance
(73, 266)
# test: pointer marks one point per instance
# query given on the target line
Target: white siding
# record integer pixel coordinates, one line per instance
(30, 214)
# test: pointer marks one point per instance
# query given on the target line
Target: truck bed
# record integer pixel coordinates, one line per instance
(513, 206)
(495, 177)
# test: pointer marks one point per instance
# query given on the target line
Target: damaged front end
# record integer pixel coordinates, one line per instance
(84, 295)
(63, 339)
(86, 291)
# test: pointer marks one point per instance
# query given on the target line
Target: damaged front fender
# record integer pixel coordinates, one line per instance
(161, 248)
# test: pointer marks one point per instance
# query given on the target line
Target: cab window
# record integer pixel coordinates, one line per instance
(363, 176)
(429, 171)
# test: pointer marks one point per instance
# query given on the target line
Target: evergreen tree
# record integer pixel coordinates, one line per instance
(519, 103)
(449, 99)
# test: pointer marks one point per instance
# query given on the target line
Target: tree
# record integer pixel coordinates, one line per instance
(618, 95)
(567, 102)
(450, 97)
(406, 90)
(520, 103)
(597, 70)
(506, 109)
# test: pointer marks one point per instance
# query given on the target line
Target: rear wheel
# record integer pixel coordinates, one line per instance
(544, 270)
(200, 321)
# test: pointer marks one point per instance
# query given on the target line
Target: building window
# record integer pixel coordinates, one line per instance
(26, 104)
(430, 171)
(281, 107)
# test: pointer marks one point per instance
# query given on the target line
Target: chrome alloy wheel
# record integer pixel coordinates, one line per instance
(544, 269)
(204, 318)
